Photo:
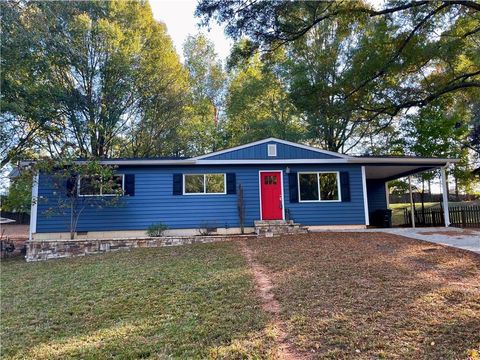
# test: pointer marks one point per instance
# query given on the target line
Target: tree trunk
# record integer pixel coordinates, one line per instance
(430, 188)
(456, 188)
(72, 225)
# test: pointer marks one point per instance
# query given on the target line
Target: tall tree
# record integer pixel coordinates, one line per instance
(258, 105)
(26, 99)
(413, 38)
(207, 82)
(95, 72)
(320, 72)
(439, 130)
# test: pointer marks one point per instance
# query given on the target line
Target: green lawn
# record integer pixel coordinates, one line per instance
(342, 296)
(397, 209)
(183, 302)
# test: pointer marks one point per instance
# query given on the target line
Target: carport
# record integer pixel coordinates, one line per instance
(377, 171)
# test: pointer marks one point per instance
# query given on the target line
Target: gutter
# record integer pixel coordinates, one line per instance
(193, 161)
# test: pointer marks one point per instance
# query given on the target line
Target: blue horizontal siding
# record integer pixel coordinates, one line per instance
(330, 213)
(154, 202)
(259, 152)
(376, 195)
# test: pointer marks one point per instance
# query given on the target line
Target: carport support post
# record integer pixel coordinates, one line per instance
(412, 209)
(446, 213)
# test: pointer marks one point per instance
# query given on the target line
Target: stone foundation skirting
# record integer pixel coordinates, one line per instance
(38, 250)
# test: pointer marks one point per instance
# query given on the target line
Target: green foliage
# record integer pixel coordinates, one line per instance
(19, 196)
(440, 130)
(65, 178)
(157, 229)
(257, 106)
(351, 69)
(78, 75)
(398, 187)
(207, 83)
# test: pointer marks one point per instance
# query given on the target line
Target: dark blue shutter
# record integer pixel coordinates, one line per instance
(177, 184)
(293, 187)
(231, 183)
(71, 185)
(345, 185)
(129, 185)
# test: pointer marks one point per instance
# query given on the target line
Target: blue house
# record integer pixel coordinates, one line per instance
(281, 181)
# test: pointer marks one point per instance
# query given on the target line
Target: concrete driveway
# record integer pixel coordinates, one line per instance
(467, 239)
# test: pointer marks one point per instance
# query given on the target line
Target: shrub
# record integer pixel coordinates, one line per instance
(156, 230)
(207, 228)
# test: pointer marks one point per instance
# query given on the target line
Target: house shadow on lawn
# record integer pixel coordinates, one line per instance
(364, 295)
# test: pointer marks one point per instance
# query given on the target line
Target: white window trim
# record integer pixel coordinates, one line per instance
(318, 184)
(101, 194)
(272, 150)
(205, 184)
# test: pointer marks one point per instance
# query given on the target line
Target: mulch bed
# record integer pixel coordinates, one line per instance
(375, 295)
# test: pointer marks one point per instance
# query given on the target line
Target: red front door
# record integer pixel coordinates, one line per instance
(271, 193)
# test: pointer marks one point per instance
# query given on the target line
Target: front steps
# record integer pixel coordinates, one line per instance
(271, 228)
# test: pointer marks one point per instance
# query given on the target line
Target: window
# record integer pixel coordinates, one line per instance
(319, 186)
(94, 186)
(204, 184)
(329, 186)
(270, 180)
(272, 149)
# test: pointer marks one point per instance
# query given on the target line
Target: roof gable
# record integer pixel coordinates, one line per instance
(258, 150)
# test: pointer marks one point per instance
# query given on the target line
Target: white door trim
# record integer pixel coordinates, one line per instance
(260, 191)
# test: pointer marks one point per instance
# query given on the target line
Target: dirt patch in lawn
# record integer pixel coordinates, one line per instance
(263, 285)
(374, 295)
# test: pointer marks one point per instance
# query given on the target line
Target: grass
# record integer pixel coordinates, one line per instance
(370, 296)
(184, 302)
(342, 296)
(398, 208)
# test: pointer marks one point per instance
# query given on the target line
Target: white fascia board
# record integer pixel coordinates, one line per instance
(129, 162)
(374, 160)
(276, 161)
(306, 147)
(311, 148)
(146, 162)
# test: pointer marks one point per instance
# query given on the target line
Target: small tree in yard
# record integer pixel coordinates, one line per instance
(80, 185)
(241, 208)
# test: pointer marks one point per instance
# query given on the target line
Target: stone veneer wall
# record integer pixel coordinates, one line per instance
(54, 249)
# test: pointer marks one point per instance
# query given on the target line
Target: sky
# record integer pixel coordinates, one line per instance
(179, 17)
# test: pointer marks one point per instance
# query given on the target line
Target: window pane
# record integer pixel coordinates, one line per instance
(89, 185)
(113, 186)
(194, 184)
(328, 186)
(308, 186)
(215, 183)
